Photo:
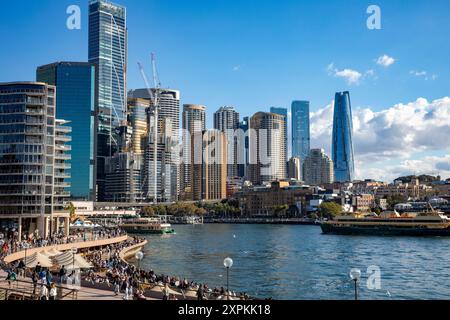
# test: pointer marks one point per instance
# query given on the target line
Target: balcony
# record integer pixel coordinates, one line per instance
(63, 138)
(63, 156)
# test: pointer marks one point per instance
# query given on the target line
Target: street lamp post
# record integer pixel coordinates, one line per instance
(74, 251)
(355, 275)
(139, 256)
(26, 246)
(228, 263)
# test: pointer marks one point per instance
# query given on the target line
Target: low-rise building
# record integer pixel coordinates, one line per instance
(266, 200)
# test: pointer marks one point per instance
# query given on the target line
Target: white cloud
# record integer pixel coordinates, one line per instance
(385, 61)
(424, 75)
(236, 68)
(395, 134)
(351, 76)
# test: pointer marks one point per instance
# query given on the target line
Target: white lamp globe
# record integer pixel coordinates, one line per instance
(355, 274)
(139, 255)
(228, 263)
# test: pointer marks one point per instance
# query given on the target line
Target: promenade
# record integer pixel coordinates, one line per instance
(64, 247)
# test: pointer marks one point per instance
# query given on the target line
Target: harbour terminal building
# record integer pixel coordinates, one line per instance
(34, 168)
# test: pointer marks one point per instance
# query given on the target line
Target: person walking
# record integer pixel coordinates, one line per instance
(44, 292)
(166, 292)
(62, 274)
(53, 292)
(200, 293)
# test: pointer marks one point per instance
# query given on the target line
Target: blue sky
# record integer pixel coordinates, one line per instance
(254, 54)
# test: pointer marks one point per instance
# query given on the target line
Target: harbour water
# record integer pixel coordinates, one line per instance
(299, 262)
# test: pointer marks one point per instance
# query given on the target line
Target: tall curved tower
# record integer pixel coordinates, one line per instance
(342, 144)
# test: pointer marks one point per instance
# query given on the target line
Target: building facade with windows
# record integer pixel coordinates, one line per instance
(342, 143)
(75, 83)
(34, 156)
(108, 45)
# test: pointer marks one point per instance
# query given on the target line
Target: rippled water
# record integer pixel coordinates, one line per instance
(298, 262)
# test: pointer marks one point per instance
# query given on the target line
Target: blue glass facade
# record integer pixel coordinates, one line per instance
(75, 83)
(108, 52)
(301, 137)
(342, 143)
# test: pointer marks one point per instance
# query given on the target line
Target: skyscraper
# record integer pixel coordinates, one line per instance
(294, 168)
(318, 168)
(108, 52)
(169, 106)
(33, 160)
(75, 83)
(267, 148)
(283, 112)
(194, 123)
(137, 114)
(301, 139)
(342, 143)
(226, 120)
(169, 127)
(244, 149)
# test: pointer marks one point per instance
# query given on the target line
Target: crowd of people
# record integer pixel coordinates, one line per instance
(9, 241)
(108, 269)
(131, 281)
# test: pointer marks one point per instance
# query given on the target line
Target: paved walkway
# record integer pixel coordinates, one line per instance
(26, 286)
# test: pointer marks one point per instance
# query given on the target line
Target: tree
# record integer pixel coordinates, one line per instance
(395, 199)
(71, 208)
(148, 212)
(280, 210)
(330, 210)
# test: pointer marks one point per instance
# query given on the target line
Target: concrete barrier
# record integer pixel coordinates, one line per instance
(129, 252)
(64, 247)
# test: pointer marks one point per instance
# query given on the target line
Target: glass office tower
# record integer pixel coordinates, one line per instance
(108, 52)
(75, 82)
(342, 143)
(301, 138)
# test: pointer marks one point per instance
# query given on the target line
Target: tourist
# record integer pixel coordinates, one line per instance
(34, 279)
(53, 292)
(166, 292)
(62, 274)
(116, 288)
(44, 293)
(200, 293)
(21, 267)
(11, 276)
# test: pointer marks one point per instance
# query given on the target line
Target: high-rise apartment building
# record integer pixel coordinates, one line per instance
(342, 143)
(137, 119)
(318, 168)
(34, 172)
(294, 169)
(267, 148)
(244, 161)
(301, 139)
(108, 52)
(283, 112)
(169, 119)
(124, 178)
(75, 83)
(194, 123)
(226, 120)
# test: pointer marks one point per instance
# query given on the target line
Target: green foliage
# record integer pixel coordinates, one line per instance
(395, 199)
(330, 210)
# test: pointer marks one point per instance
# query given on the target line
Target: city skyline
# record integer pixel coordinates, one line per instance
(419, 101)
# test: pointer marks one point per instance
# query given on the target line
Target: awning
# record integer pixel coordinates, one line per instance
(38, 258)
(51, 253)
(68, 260)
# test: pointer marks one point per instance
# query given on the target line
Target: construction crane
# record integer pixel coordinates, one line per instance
(154, 98)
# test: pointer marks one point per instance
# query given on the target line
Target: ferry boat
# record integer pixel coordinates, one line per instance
(390, 224)
(146, 225)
